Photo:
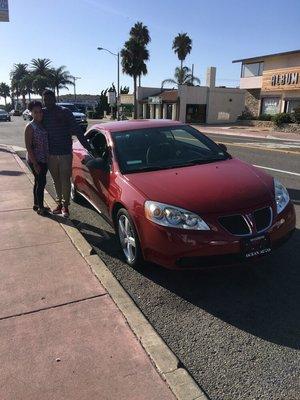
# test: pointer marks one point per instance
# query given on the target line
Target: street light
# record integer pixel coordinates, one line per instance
(118, 77)
(75, 79)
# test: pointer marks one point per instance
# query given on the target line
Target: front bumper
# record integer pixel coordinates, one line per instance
(183, 249)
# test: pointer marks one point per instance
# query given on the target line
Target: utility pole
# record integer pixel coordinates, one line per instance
(75, 79)
(118, 78)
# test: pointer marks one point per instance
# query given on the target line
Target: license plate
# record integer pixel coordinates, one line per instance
(257, 246)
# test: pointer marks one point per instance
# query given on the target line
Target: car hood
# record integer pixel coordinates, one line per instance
(219, 187)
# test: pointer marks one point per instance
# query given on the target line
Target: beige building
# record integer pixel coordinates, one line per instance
(193, 104)
(271, 82)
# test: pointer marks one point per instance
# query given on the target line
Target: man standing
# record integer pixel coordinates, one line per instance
(60, 124)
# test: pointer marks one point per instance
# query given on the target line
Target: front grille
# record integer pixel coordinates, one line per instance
(262, 218)
(235, 224)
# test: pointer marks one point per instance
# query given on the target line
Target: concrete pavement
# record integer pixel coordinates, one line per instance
(248, 131)
(61, 334)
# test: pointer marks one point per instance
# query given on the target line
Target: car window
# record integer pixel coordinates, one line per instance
(160, 148)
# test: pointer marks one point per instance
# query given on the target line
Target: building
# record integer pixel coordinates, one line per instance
(193, 104)
(88, 101)
(272, 82)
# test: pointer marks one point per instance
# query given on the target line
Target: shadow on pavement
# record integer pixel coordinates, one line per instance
(5, 150)
(11, 173)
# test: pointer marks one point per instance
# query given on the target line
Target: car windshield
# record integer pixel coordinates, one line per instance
(2, 112)
(71, 107)
(164, 148)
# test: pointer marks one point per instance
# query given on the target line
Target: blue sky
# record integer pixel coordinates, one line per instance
(68, 32)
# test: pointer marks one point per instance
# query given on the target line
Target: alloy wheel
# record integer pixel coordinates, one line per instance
(127, 238)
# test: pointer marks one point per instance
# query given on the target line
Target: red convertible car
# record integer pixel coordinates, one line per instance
(178, 199)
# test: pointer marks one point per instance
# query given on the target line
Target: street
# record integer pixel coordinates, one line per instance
(236, 329)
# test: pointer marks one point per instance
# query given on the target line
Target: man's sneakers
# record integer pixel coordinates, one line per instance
(57, 210)
(61, 210)
(65, 212)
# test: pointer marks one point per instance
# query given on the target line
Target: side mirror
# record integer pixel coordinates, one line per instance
(96, 163)
(223, 147)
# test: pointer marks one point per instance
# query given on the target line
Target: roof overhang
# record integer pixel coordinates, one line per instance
(261, 58)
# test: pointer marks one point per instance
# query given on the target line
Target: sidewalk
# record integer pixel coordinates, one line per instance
(248, 131)
(61, 335)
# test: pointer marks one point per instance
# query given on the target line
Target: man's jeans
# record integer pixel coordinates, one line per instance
(60, 168)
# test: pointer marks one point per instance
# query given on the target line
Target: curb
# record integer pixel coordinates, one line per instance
(166, 362)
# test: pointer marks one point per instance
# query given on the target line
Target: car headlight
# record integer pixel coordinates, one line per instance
(281, 196)
(83, 118)
(173, 217)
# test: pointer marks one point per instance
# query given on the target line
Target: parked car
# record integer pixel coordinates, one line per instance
(15, 113)
(4, 115)
(79, 116)
(178, 199)
(27, 115)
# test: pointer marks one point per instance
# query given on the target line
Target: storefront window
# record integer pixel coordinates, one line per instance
(270, 105)
(254, 69)
(292, 105)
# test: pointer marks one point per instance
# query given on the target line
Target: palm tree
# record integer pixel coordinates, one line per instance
(26, 85)
(40, 83)
(140, 33)
(41, 72)
(40, 66)
(182, 76)
(182, 46)
(4, 91)
(17, 74)
(60, 79)
(134, 54)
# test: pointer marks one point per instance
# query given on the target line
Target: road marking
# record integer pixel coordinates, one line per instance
(277, 170)
(250, 146)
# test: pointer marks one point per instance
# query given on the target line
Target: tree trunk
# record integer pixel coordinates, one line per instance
(5, 101)
(57, 90)
(29, 95)
(134, 98)
(140, 80)
(24, 101)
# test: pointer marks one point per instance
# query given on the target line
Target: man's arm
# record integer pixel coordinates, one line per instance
(76, 130)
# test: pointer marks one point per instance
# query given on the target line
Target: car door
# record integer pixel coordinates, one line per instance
(97, 171)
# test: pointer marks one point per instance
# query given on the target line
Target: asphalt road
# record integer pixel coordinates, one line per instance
(237, 330)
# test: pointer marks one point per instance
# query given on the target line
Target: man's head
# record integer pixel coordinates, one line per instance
(49, 99)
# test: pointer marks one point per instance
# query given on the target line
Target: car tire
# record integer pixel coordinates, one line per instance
(128, 239)
(75, 196)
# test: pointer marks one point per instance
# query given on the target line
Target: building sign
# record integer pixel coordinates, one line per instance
(290, 78)
(4, 17)
(111, 97)
(154, 100)
(127, 98)
(283, 79)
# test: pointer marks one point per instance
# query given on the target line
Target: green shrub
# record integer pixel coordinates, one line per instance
(265, 117)
(296, 115)
(246, 115)
(281, 118)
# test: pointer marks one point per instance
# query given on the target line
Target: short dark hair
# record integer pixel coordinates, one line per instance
(34, 103)
(48, 92)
